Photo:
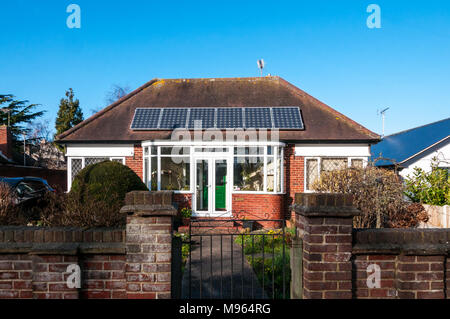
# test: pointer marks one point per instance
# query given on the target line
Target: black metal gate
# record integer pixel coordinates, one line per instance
(228, 259)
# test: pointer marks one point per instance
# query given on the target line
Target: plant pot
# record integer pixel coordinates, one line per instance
(185, 221)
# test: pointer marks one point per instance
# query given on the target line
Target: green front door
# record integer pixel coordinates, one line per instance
(221, 185)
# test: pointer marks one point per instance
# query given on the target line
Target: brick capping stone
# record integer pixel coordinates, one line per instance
(402, 241)
(324, 205)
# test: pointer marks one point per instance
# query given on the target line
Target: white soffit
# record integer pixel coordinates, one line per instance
(97, 150)
(359, 150)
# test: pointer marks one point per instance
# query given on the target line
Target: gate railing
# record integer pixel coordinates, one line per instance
(249, 264)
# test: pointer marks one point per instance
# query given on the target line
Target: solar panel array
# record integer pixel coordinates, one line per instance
(220, 118)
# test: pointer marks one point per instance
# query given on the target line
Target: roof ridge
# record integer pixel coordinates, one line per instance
(106, 109)
(415, 128)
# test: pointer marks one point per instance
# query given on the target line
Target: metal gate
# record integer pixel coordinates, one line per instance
(228, 259)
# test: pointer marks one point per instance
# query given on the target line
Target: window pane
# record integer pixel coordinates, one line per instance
(357, 163)
(177, 150)
(146, 172)
(270, 173)
(94, 160)
(118, 160)
(153, 174)
(76, 166)
(175, 173)
(311, 172)
(331, 164)
(253, 150)
(248, 173)
(279, 172)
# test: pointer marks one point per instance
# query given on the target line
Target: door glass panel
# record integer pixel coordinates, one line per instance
(221, 185)
(202, 185)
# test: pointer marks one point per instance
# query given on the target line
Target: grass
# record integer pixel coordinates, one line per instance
(268, 270)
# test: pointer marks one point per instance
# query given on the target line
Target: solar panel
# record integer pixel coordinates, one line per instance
(287, 118)
(206, 115)
(229, 118)
(223, 118)
(145, 119)
(258, 117)
(173, 118)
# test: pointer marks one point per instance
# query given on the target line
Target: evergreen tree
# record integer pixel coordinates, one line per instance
(69, 114)
(17, 114)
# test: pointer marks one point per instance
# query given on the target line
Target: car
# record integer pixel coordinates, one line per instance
(28, 190)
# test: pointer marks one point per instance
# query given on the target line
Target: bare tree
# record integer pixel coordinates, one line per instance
(115, 93)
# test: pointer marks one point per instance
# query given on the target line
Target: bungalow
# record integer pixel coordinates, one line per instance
(416, 147)
(227, 147)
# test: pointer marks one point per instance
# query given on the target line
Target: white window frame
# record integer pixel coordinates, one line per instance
(319, 165)
(83, 165)
(229, 155)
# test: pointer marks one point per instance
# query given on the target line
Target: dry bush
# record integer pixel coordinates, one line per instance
(9, 212)
(61, 210)
(410, 216)
(378, 193)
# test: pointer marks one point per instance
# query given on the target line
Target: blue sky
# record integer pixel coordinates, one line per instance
(323, 47)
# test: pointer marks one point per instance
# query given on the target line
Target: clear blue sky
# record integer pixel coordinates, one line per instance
(323, 47)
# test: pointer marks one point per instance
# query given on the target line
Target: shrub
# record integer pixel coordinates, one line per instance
(431, 188)
(61, 210)
(378, 193)
(102, 180)
(9, 214)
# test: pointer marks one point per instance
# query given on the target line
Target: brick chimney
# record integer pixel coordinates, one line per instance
(6, 141)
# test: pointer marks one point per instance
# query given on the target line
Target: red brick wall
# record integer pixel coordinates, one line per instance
(294, 167)
(258, 206)
(103, 277)
(136, 162)
(5, 141)
(38, 268)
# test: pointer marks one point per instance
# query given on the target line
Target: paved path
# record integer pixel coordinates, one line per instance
(220, 278)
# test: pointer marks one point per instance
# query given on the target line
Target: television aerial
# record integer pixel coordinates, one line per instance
(261, 65)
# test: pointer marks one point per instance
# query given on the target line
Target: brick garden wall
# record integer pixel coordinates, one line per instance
(34, 261)
(413, 263)
(114, 263)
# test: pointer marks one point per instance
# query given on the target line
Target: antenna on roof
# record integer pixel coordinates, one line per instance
(261, 65)
(383, 117)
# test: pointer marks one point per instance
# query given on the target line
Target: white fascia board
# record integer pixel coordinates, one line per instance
(347, 150)
(99, 150)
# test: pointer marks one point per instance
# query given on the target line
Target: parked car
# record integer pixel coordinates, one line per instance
(28, 190)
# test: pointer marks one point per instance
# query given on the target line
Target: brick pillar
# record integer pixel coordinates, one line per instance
(324, 222)
(149, 244)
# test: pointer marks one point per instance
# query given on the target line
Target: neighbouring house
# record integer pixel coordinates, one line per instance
(227, 147)
(11, 163)
(416, 147)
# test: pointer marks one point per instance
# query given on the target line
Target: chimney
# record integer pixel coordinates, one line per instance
(6, 141)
